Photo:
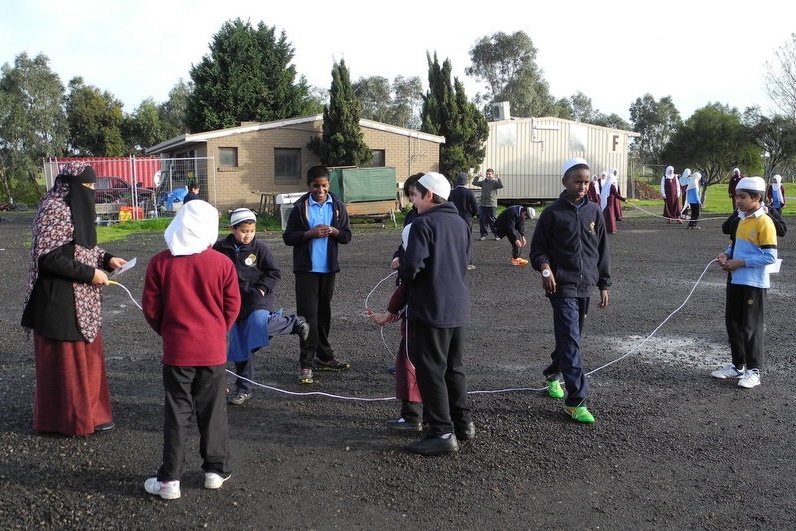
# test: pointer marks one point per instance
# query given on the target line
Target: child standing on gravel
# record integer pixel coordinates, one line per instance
(753, 247)
(191, 299)
(570, 248)
(258, 321)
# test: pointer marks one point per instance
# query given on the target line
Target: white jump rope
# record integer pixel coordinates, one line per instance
(509, 390)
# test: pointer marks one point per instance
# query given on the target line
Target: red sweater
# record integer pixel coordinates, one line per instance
(192, 302)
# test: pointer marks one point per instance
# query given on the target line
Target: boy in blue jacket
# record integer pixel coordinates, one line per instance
(317, 225)
(569, 247)
(258, 320)
(434, 271)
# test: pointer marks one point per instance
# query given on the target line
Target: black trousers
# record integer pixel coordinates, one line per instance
(745, 321)
(695, 210)
(437, 355)
(314, 292)
(189, 391)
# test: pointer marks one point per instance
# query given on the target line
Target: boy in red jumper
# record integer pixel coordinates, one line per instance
(191, 299)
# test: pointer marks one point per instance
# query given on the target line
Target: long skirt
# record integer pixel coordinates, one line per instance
(72, 395)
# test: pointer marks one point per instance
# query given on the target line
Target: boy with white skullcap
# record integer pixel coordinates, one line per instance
(191, 299)
(752, 248)
(570, 248)
(434, 270)
(259, 320)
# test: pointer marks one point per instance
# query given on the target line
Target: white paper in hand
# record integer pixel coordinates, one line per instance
(119, 270)
(774, 268)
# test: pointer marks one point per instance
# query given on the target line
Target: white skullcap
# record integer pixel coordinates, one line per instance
(240, 215)
(437, 184)
(530, 212)
(755, 184)
(571, 163)
(193, 229)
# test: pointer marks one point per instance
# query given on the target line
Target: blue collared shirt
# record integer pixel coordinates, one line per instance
(319, 214)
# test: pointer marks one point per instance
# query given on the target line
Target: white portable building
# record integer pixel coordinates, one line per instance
(527, 154)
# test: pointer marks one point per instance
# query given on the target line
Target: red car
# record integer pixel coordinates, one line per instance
(117, 190)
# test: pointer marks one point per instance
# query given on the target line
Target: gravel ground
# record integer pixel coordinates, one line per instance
(672, 448)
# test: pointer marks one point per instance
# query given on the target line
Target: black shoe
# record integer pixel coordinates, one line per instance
(435, 446)
(302, 328)
(403, 425)
(108, 426)
(466, 432)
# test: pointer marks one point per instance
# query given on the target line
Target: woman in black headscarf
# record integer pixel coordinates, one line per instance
(63, 308)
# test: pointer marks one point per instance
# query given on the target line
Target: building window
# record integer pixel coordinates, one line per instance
(228, 157)
(287, 164)
(377, 161)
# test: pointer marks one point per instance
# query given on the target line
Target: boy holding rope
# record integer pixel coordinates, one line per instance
(753, 247)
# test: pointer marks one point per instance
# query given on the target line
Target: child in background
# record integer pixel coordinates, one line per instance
(193, 193)
(258, 321)
(775, 194)
(191, 299)
(511, 224)
(465, 202)
(753, 246)
(694, 198)
(570, 248)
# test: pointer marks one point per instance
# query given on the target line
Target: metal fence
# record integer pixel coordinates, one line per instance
(143, 187)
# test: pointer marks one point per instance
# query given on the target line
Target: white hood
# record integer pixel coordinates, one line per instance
(193, 229)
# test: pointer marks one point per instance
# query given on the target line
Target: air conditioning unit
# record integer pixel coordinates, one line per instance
(501, 110)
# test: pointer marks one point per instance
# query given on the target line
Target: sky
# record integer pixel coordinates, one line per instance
(696, 51)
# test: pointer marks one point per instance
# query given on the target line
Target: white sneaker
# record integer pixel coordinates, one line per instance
(214, 481)
(168, 490)
(728, 372)
(751, 378)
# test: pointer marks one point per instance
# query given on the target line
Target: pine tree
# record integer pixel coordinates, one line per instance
(342, 143)
(447, 112)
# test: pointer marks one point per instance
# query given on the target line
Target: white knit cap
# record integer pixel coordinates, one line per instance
(240, 215)
(571, 163)
(193, 229)
(436, 183)
(755, 184)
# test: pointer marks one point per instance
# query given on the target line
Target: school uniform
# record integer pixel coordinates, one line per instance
(572, 240)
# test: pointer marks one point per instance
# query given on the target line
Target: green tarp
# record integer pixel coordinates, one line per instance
(363, 184)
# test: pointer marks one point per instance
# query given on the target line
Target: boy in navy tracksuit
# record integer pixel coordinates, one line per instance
(434, 270)
(465, 202)
(570, 248)
(258, 321)
(510, 224)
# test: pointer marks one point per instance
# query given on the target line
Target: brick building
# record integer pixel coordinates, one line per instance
(273, 158)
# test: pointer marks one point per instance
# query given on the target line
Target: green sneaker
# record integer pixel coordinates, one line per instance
(554, 389)
(580, 413)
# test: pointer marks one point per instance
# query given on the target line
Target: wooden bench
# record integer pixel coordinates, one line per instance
(378, 210)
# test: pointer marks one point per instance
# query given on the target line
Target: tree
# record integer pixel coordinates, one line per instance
(374, 95)
(447, 112)
(395, 103)
(507, 63)
(656, 122)
(144, 128)
(781, 78)
(246, 77)
(775, 136)
(407, 99)
(713, 141)
(95, 121)
(341, 143)
(32, 123)
(173, 112)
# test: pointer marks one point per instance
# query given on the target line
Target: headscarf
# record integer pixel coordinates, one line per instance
(193, 229)
(66, 215)
(81, 200)
(605, 191)
(668, 174)
(776, 190)
(693, 180)
(684, 177)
